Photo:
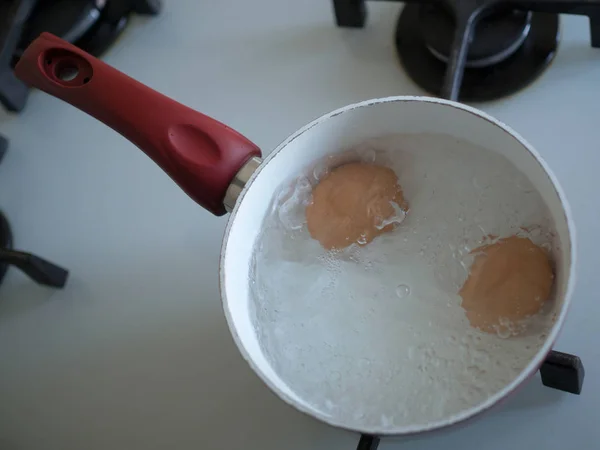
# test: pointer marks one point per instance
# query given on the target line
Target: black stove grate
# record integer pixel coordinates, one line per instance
(449, 79)
(493, 72)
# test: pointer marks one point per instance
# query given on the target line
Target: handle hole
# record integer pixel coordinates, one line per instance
(66, 68)
(66, 72)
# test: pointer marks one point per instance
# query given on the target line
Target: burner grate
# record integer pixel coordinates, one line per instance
(490, 79)
(466, 15)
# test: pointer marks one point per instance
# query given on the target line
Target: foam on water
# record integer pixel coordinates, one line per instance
(375, 335)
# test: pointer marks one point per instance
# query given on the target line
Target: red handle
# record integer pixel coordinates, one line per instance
(200, 154)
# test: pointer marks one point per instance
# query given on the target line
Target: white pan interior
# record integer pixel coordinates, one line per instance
(342, 129)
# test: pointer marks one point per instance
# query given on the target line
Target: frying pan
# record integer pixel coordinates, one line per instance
(222, 171)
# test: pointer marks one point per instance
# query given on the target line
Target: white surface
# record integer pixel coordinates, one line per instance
(135, 352)
(376, 327)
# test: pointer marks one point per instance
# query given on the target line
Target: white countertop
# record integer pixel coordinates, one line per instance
(134, 353)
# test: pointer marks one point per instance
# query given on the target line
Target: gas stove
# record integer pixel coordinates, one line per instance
(135, 352)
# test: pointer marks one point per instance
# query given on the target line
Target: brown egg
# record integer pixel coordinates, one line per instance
(350, 204)
(509, 280)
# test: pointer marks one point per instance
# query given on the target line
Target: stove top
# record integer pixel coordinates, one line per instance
(476, 50)
(151, 329)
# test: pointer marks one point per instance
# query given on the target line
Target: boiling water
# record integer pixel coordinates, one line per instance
(375, 336)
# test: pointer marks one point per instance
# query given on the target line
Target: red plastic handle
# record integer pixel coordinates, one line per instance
(200, 154)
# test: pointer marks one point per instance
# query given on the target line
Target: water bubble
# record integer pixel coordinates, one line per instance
(465, 266)
(303, 185)
(367, 154)
(397, 218)
(320, 172)
(480, 357)
(503, 332)
(292, 211)
(430, 357)
(535, 232)
(362, 240)
(403, 291)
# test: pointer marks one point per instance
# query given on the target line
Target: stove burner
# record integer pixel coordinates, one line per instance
(539, 41)
(508, 51)
(75, 18)
(497, 36)
(92, 25)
